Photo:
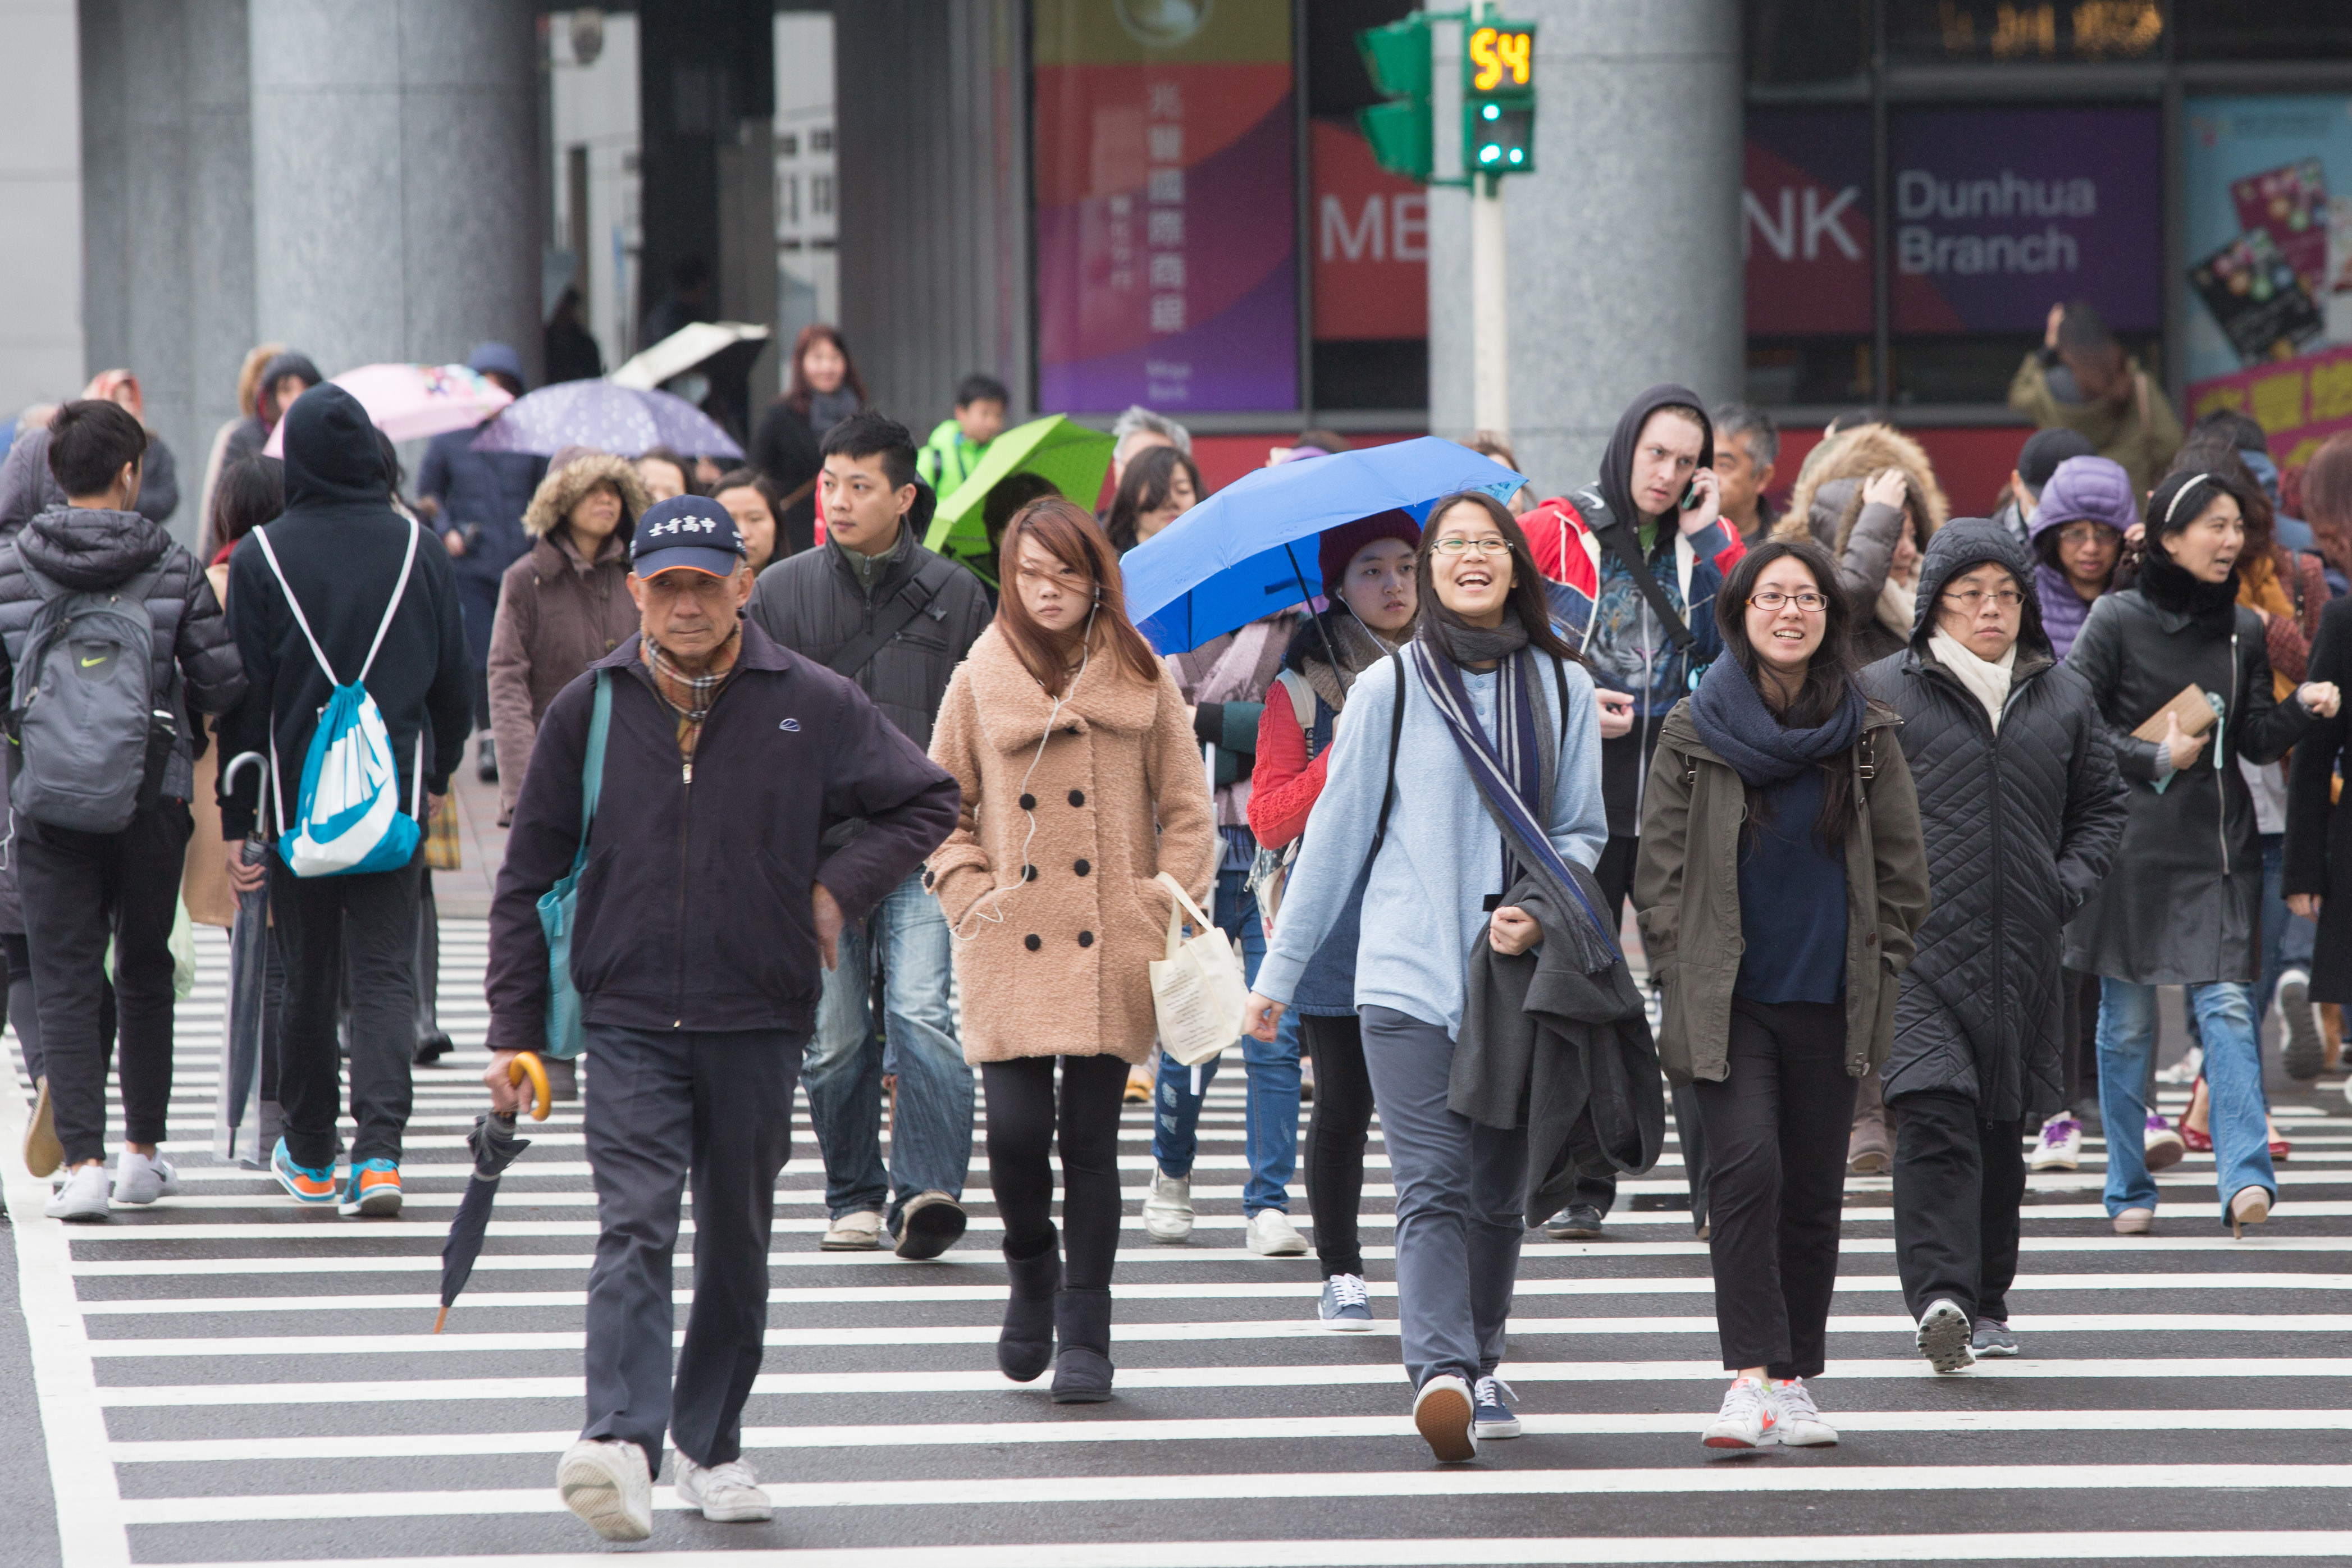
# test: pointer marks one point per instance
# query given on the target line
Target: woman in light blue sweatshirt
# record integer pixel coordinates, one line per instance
(1494, 764)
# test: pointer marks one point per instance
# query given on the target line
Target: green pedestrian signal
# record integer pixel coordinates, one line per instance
(1498, 98)
(1400, 132)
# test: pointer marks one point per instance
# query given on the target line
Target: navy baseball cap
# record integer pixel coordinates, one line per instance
(686, 531)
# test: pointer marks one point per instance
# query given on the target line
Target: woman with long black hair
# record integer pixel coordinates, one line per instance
(1779, 982)
(1490, 771)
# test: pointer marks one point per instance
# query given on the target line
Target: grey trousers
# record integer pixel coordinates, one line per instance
(662, 1107)
(1459, 1189)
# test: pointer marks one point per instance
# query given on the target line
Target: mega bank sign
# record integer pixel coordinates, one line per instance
(1996, 214)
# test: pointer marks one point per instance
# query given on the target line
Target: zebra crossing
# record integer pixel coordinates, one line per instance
(225, 1378)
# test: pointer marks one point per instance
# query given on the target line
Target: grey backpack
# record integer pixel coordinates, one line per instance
(91, 735)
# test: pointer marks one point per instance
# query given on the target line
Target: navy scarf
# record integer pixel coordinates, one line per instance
(1731, 717)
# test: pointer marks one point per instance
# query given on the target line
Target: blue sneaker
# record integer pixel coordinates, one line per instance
(1345, 1307)
(371, 1190)
(1491, 1414)
(302, 1184)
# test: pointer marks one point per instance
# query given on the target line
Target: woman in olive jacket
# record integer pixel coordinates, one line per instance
(1779, 884)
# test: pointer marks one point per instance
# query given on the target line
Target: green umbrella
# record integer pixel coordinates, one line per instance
(1066, 455)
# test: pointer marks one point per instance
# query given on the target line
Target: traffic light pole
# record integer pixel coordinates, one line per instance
(1490, 342)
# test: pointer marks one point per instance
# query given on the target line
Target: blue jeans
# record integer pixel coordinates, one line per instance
(930, 1122)
(2233, 1078)
(1271, 1140)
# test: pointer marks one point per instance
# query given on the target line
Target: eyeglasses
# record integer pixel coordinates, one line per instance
(1973, 601)
(2079, 534)
(1773, 602)
(1483, 547)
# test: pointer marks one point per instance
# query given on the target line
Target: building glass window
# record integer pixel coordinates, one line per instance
(2262, 29)
(1795, 41)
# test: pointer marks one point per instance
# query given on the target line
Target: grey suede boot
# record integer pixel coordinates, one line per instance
(1025, 1348)
(1082, 1368)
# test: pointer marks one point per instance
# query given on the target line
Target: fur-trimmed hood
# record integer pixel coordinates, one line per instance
(1855, 455)
(562, 488)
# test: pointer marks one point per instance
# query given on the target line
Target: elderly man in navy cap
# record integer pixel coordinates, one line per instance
(704, 913)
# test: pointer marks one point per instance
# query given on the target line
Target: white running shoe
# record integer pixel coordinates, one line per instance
(726, 1494)
(1746, 1419)
(2187, 1069)
(607, 1484)
(859, 1232)
(82, 1199)
(1943, 1337)
(1446, 1417)
(2161, 1147)
(1168, 1207)
(1799, 1420)
(139, 1179)
(2060, 1148)
(1270, 1234)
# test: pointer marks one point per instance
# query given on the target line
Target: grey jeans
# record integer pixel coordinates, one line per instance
(1459, 1187)
(662, 1107)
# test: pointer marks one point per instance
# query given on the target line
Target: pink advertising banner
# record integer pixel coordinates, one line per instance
(2299, 403)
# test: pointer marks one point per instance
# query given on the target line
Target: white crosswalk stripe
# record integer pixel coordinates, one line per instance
(225, 1379)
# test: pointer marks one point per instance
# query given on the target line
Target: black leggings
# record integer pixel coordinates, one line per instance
(1021, 1124)
(19, 1009)
(1335, 1136)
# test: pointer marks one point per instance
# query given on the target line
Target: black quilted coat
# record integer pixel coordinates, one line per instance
(2019, 828)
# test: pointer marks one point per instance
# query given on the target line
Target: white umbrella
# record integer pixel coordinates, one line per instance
(691, 346)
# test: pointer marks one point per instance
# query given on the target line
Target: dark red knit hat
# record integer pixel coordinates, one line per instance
(1341, 544)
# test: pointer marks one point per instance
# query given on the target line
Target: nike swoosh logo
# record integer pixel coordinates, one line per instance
(85, 664)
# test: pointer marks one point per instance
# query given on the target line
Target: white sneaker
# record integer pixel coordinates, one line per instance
(726, 1494)
(139, 1179)
(82, 1199)
(1270, 1234)
(1446, 1417)
(607, 1484)
(1168, 1207)
(1943, 1338)
(2185, 1070)
(859, 1232)
(1746, 1419)
(1798, 1419)
(2060, 1148)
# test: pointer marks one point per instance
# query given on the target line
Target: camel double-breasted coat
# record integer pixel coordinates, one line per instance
(1054, 929)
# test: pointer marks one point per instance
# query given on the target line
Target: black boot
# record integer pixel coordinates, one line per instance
(1025, 1348)
(1082, 1366)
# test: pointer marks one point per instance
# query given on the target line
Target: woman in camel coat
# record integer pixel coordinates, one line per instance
(1081, 783)
(565, 603)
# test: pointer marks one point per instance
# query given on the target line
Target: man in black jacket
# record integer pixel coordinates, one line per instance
(81, 889)
(875, 606)
(705, 914)
(364, 577)
(2020, 808)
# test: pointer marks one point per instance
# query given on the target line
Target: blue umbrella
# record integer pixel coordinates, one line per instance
(1248, 550)
(608, 418)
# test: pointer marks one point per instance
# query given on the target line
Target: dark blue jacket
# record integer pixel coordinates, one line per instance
(483, 494)
(694, 906)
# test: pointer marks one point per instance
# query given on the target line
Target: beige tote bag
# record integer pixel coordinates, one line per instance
(1198, 990)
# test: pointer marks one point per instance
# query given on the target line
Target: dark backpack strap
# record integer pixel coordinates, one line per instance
(911, 600)
(1620, 539)
(1396, 737)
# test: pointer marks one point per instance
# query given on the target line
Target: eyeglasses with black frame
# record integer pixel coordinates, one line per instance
(1772, 601)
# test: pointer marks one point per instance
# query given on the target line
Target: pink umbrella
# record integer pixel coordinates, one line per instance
(409, 403)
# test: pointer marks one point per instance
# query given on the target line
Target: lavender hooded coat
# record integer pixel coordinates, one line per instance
(2092, 489)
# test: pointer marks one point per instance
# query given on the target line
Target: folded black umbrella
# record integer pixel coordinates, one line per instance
(495, 1147)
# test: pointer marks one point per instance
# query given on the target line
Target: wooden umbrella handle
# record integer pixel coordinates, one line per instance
(526, 1064)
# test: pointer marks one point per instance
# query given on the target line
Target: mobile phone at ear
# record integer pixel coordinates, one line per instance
(1690, 496)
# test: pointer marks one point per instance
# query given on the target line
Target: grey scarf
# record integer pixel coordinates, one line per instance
(1358, 648)
(1467, 644)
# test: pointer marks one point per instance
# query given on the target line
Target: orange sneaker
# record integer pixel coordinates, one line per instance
(373, 1190)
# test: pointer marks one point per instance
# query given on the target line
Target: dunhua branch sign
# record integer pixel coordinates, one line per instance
(2000, 213)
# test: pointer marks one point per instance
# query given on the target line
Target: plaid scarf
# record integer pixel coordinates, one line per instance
(690, 697)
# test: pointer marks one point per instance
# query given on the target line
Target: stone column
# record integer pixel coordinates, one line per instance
(1624, 244)
(396, 201)
(168, 224)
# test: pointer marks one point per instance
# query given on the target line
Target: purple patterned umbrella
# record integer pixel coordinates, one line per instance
(610, 419)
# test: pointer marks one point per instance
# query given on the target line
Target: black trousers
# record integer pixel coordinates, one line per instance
(79, 890)
(2079, 1042)
(26, 1015)
(1776, 1132)
(1959, 1180)
(317, 923)
(668, 1106)
(1023, 1117)
(1336, 1135)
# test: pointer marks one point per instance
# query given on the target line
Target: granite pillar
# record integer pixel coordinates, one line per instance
(1623, 245)
(396, 201)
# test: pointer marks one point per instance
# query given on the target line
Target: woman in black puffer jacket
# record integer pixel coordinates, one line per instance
(2021, 810)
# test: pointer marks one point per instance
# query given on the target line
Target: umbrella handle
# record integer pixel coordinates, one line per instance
(526, 1064)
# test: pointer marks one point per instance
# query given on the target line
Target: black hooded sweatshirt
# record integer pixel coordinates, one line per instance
(340, 544)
